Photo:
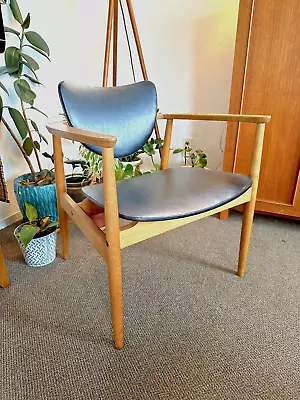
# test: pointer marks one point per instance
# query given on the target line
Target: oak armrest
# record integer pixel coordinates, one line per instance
(80, 135)
(256, 119)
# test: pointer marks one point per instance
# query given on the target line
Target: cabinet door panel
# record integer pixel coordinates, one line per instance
(272, 86)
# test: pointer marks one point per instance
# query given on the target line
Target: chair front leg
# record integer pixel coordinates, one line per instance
(4, 280)
(113, 245)
(61, 188)
(250, 206)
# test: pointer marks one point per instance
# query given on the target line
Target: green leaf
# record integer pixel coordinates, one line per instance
(10, 30)
(33, 64)
(47, 155)
(12, 57)
(41, 112)
(31, 212)
(5, 70)
(42, 137)
(176, 151)
(52, 224)
(34, 125)
(1, 107)
(38, 50)
(24, 92)
(3, 88)
(27, 233)
(37, 145)
(28, 146)
(29, 67)
(26, 22)
(128, 172)
(119, 174)
(32, 79)
(137, 173)
(16, 11)
(36, 40)
(18, 121)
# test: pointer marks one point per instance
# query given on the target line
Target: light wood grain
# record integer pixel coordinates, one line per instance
(167, 144)
(255, 119)
(79, 135)
(113, 245)
(85, 224)
(268, 83)
(250, 206)
(237, 85)
(138, 232)
(108, 42)
(4, 279)
(60, 189)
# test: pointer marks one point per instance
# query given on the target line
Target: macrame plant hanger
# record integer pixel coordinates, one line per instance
(112, 30)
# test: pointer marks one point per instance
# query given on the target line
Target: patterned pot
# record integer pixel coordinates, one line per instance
(40, 251)
(43, 198)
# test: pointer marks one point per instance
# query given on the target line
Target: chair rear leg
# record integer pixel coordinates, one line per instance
(61, 188)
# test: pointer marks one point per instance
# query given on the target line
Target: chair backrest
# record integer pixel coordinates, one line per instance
(127, 112)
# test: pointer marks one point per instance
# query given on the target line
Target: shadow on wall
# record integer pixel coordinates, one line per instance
(212, 66)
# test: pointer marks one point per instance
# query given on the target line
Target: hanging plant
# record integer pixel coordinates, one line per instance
(22, 68)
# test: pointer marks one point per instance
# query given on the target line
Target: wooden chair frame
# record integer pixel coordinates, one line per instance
(110, 243)
(4, 279)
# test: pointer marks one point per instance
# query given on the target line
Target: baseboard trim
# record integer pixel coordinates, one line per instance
(11, 220)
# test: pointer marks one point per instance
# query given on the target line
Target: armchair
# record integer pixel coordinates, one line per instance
(181, 195)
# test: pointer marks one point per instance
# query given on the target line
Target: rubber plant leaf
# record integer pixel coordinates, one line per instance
(10, 30)
(24, 92)
(33, 64)
(32, 79)
(1, 107)
(16, 11)
(5, 70)
(38, 50)
(28, 146)
(12, 57)
(26, 22)
(19, 121)
(41, 112)
(36, 40)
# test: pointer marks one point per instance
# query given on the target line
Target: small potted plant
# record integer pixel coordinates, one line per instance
(192, 158)
(76, 181)
(133, 160)
(37, 238)
(36, 187)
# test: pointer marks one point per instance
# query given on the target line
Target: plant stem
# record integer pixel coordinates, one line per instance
(30, 135)
(27, 159)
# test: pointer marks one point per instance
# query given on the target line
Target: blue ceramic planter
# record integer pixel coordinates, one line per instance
(43, 198)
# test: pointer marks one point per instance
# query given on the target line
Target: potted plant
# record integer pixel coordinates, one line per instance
(192, 158)
(37, 238)
(37, 187)
(76, 181)
(134, 160)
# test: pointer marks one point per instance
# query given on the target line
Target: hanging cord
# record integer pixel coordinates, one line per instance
(128, 41)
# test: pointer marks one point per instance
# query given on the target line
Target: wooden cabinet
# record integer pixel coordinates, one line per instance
(266, 80)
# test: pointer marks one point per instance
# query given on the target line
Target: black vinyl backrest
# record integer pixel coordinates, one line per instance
(127, 112)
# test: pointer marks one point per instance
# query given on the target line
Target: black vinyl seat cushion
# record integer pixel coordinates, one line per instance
(173, 193)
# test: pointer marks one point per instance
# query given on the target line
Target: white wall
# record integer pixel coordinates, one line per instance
(188, 47)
